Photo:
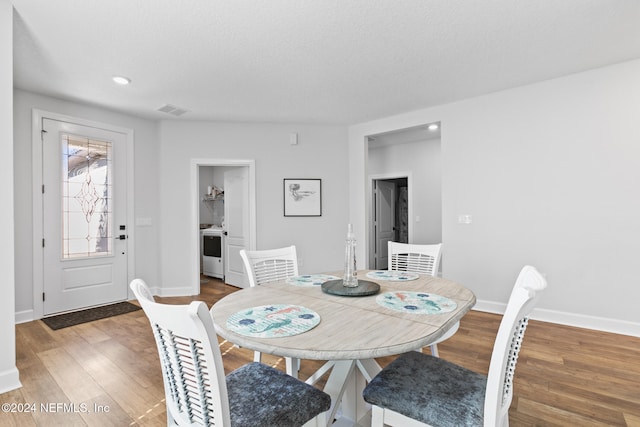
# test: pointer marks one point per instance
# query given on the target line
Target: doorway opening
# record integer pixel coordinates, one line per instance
(223, 205)
(404, 196)
(390, 222)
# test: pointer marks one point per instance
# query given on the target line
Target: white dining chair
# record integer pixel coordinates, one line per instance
(199, 394)
(270, 265)
(267, 266)
(417, 389)
(423, 259)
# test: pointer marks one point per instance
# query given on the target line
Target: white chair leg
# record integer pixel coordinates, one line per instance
(434, 350)
(292, 366)
(377, 416)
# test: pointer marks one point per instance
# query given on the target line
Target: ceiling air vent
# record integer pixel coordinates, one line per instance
(173, 110)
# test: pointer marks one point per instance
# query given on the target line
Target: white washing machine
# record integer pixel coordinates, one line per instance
(212, 252)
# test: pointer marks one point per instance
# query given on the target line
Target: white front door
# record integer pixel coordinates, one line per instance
(385, 197)
(84, 216)
(236, 217)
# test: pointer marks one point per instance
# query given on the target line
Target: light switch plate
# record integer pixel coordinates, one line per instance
(464, 219)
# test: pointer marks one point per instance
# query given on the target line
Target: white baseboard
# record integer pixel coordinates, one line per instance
(9, 380)
(24, 316)
(603, 324)
(172, 292)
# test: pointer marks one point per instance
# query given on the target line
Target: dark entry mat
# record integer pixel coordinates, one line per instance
(89, 315)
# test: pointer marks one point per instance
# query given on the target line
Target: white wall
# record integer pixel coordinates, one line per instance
(549, 173)
(162, 188)
(321, 153)
(8, 372)
(422, 159)
(146, 190)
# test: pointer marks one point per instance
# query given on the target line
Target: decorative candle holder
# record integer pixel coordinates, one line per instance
(350, 278)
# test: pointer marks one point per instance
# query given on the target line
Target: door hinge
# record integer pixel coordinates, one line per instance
(42, 188)
(43, 242)
(42, 132)
(43, 296)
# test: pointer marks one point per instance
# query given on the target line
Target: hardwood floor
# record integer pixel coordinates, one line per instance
(107, 373)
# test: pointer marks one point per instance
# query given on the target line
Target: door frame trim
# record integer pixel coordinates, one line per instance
(370, 228)
(195, 200)
(37, 115)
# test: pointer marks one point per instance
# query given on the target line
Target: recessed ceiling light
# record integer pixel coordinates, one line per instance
(433, 127)
(121, 80)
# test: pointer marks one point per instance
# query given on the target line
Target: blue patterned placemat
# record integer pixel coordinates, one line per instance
(276, 320)
(392, 276)
(310, 279)
(416, 302)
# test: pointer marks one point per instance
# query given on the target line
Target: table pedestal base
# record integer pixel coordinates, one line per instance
(345, 384)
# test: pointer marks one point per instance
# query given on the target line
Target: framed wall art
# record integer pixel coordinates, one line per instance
(302, 197)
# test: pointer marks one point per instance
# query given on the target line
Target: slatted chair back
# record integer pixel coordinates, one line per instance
(270, 265)
(424, 259)
(504, 357)
(192, 369)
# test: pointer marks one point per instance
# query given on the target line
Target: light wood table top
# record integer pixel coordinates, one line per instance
(350, 327)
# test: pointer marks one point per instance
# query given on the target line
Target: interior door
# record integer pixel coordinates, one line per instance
(385, 196)
(84, 214)
(236, 214)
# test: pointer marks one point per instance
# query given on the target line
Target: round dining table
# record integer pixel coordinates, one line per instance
(409, 312)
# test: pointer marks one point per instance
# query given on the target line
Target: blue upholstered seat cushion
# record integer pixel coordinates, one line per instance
(263, 396)
(430, 390)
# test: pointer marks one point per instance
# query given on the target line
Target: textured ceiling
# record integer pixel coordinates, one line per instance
(315, 61)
